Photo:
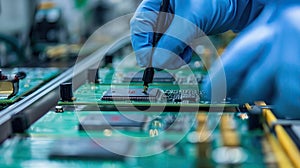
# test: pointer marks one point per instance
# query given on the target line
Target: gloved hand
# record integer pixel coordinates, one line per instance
(263, 62)
(191, 18)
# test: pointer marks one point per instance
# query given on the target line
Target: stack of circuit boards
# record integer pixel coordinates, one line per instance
(109, 122)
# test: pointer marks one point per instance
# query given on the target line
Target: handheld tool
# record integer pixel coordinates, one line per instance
(159, 29)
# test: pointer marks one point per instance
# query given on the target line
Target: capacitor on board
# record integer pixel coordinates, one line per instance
(66, 92)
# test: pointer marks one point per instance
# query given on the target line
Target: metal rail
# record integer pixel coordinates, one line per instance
(19, 116)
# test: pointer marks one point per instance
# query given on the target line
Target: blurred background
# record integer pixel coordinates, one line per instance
(51, 32)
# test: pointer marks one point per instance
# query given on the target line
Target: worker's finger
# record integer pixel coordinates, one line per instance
(171, 53)
(141, 26)
(175, 44)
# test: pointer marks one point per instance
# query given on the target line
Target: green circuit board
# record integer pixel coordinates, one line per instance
(120, 84)
(170, 147)
(163, 97)
(111, 123)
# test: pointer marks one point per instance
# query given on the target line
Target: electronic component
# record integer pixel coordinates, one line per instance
(104, 149)
(9, 85)
(66, 92)
(109, 121)
(8, 88)
(176, 96)
(188, 78)
(59, 109)
(123, 94)
(17, 83)
(159, 76)
(189, 95)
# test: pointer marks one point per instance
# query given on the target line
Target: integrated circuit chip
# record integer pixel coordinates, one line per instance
(124, 94)
(109, 121)
(159, 76)
(186, 95)
(86, 148)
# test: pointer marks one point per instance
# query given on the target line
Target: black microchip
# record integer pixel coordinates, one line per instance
(108, 121)
(159, 76)
(85, 148)
(123, 94)
(189, 95)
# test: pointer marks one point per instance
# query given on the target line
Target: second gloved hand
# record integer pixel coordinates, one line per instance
(263, 63)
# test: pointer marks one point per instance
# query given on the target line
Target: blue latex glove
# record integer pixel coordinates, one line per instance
(263, 62)
(191, 17)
